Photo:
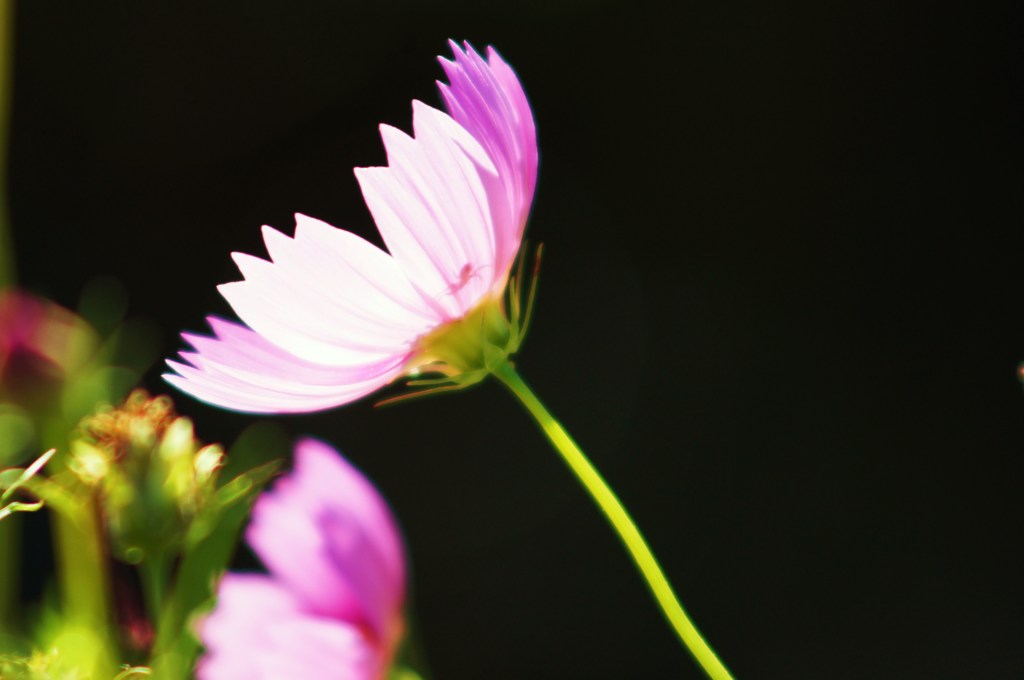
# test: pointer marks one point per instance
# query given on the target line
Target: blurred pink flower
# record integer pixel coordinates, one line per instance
(332, 318)
(40, 343)
(331, 607)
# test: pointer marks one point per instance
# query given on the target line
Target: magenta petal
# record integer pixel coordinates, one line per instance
(486, 98)
(331, 607)
(326, 533)
(259, 632)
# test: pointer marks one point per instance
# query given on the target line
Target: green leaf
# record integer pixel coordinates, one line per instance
(9, 476)
(25, 475)
(200, 569)
(43, 489)
(259, 443)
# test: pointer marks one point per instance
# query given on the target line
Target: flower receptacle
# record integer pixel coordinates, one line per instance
(468, 349)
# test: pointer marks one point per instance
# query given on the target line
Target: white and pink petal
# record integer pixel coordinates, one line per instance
(238, 368)
(432, 209)
(340, 311)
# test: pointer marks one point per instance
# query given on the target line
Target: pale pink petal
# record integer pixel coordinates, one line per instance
(455, 166)
(332, 310)
(366, 261)
(486, 98)
(432, 210)
(241, 370)
(326, 533)
(260, 632)
(234, 394)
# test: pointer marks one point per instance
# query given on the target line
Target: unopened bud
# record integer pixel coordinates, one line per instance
(155, 476)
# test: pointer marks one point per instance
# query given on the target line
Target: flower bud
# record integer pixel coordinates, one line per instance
(154, 477)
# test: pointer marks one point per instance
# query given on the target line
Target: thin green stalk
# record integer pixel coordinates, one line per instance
(620, 521)
(155, 571)
(83, 579)
(7, 272)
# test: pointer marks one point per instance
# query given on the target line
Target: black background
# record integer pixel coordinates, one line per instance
(782, 304)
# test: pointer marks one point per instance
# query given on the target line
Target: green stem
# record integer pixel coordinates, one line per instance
(81, 572)
(6, 55)
(620, 520)
(155, 572)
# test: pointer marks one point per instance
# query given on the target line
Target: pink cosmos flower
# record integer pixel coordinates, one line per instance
(331, 607)
(332, 318)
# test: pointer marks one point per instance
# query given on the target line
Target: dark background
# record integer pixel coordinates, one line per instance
(782, 304)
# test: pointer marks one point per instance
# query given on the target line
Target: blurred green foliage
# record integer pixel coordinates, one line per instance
(139, 487)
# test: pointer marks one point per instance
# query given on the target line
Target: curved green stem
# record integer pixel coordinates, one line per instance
(620, 520)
